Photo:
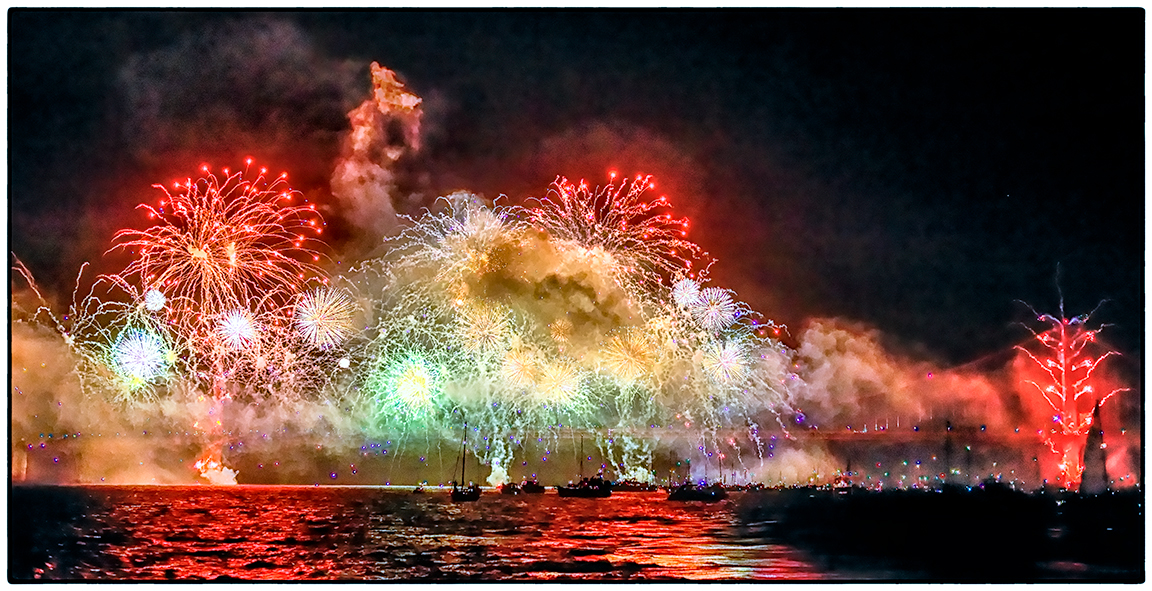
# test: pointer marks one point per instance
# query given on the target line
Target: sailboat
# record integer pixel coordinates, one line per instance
(701, 492)
(472, 492)
(587, 488)
(532, 487)
(698, 492)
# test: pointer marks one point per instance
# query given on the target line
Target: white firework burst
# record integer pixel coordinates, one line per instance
(715, 309)
(726, 363)
(139, 356)
(686, 292)
(237, 329)
(154, 300)
(324, 317)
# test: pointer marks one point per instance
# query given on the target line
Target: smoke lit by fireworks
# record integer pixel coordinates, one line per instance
(530, 318)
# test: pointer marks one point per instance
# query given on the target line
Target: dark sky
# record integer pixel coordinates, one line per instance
(913, 170)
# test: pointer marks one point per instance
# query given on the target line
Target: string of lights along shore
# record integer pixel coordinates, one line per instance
(587, 311)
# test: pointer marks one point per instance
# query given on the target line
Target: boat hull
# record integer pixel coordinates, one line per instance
(532, 488)
(584, 492)
(465, 495)
(704, 495)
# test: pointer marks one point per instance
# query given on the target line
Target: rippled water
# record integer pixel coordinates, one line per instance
(282, 532)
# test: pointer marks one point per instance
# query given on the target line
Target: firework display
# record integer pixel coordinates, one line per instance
(583, 313)
(1067, 362)
(644, 244)
(578, 314)
(586, 310)
(324, 317)
(218, 245)
(527, 319)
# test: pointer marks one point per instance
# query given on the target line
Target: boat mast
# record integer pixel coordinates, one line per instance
(581, 457)
(463, 451)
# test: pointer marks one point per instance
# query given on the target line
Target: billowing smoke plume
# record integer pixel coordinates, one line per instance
(385, 128)
(850, 378)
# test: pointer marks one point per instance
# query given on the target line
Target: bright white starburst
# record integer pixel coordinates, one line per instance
(715, 309)
(324, 317)
(139, 356)
(686, 292)
(237, 329)
(726, 362)
(154, 300)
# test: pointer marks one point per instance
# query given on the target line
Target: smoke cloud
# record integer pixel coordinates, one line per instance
(385, 128)
(849, 376)
(853, 385)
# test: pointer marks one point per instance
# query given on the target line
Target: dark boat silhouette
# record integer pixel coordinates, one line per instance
(634, 486)
(472, 491)
(419, 490)
(694, 492)
(509, 488)
(587, 488)
(532, 488)
(464, 495)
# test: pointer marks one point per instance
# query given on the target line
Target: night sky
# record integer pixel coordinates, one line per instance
(915, 171)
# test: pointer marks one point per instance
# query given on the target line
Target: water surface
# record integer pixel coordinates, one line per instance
(363, 533)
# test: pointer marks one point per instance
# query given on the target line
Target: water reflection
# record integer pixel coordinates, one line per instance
(281, 533)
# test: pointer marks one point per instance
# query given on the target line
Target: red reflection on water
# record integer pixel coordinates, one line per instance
(287, 533)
